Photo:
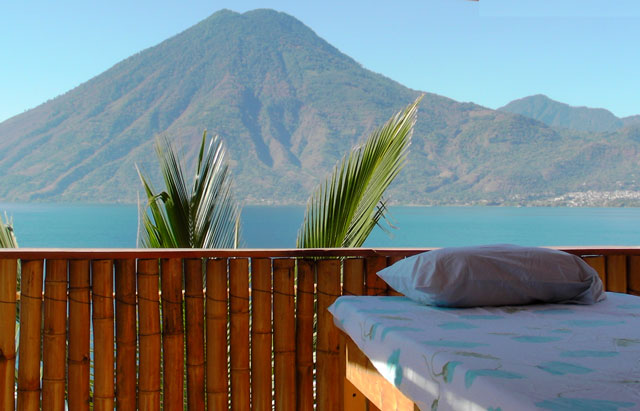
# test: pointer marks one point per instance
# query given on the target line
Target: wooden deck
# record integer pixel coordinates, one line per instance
(145, 328)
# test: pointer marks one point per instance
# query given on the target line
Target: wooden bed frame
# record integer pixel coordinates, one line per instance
(365, 388)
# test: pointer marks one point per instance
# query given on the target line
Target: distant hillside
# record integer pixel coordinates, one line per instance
(288, 105)
(554, 113)
(631, 120)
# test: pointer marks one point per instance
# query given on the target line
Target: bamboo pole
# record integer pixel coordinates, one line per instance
(284, 338)
(172, 333)
(30, 335)
(239, 332)
(261, 372)
(617, 273)
(55, 333)
(353, 284)
(79, 338)
(8, 281)
(375, 284)
(194, 306)
(103, 334)
(304, 335)
(126, 334)
(149, 335)
(353, 276)
(217, 312)
(598, 263)
(328, 367)
(634, 275)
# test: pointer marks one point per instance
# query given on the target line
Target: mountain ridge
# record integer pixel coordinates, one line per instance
(288, 105)
(558, 114)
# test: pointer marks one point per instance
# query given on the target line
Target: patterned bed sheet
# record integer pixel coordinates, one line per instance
(536, 357)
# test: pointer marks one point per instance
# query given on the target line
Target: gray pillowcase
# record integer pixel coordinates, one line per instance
(494, 275)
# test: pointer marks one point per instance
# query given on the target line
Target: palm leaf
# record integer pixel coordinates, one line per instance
(7, 236)
(344, 209)
(204, 216)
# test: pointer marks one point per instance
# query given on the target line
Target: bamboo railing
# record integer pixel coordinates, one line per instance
(196, 329)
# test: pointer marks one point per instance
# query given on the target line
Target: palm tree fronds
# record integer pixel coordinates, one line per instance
(344, 209)
(7, 235)
(204, 216)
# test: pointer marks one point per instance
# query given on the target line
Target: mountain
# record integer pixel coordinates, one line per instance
(556, 114)
(631, 120)
(288, 105)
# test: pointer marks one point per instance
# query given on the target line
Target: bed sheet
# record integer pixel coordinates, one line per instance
(536, 357)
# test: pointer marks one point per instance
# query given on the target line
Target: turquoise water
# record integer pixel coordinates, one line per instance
(81, 225)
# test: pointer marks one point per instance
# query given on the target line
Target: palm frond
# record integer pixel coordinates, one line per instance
(7, 236)
(343, 210)
(204, 216)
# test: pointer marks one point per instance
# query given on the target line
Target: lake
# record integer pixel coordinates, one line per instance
(82, 225)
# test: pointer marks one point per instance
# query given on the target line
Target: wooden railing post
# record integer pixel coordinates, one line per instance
(239, 333)
(172, 334)
(304, 334)
(194, 314)
(103, 334)
(149, 335)
(328, 360)
(374, 284)
(617, 273)
(8, 282)
(353, 284)
(261, 374)
(284, 338)
(55, 336)
(79, 335)
(126, 334)
(217, 310)
(598, 264)
(30, 335)
(633, 276)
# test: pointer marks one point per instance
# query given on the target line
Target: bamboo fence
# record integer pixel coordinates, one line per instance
(239, 329)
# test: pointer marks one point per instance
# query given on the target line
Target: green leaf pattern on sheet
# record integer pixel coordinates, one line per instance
(476, 355)
(592, 323)
(563, 368)
(393, 363)
(535, 339)
(454, 344)
(583, 404)
(448, 370)
(387, 330)
(456, 325)
(626, 342)
(588, 353)
(471, 375)
(370, 332)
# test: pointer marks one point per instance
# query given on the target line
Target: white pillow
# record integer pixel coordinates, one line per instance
(494, 275)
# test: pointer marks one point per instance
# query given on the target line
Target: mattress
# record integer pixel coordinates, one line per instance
(535, 357)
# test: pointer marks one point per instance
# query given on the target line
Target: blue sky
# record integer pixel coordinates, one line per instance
(582, 52)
